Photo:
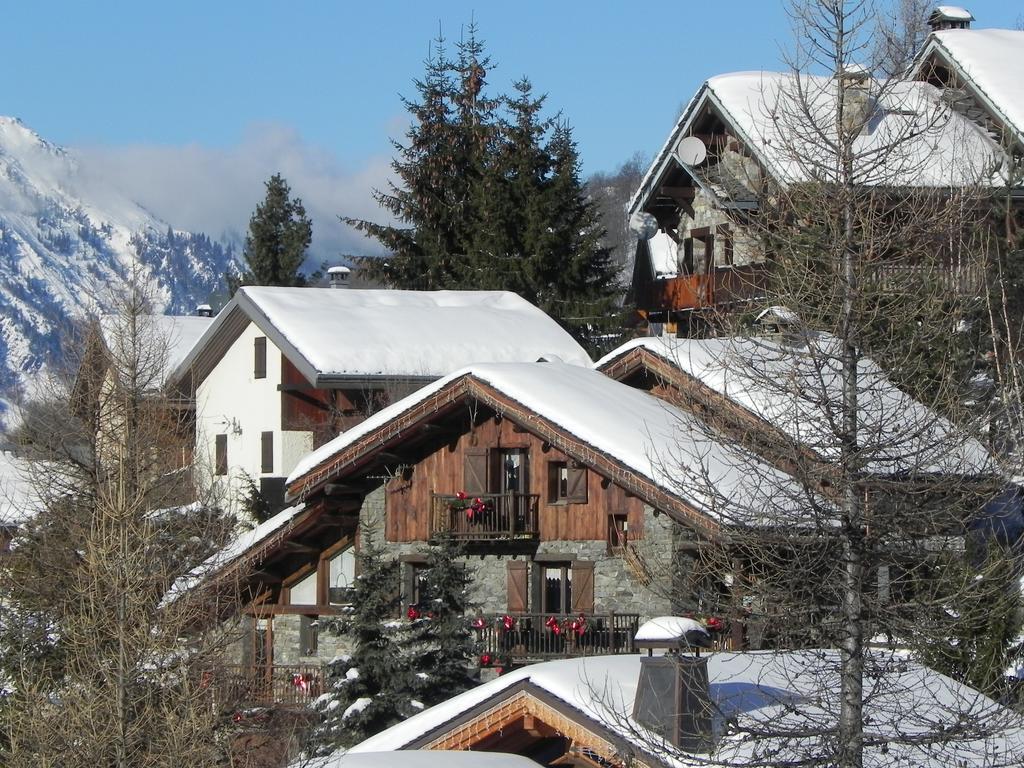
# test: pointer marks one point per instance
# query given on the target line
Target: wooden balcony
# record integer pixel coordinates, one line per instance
(241, 686)
(534, 638)
(721, 286)
(489, 517)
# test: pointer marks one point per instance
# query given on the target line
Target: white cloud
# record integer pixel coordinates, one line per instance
(215, 190)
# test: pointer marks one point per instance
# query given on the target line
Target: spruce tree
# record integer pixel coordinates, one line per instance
(442, 644)
(437, 169)
(279, 235)
(489, 197)
(369, 690)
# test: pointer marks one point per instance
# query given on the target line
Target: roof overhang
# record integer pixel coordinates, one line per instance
(933, 47)
(363, 454)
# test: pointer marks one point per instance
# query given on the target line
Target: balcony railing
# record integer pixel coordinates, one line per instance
(264, 686)
(533, 637)
(723, 285)
(487, 517)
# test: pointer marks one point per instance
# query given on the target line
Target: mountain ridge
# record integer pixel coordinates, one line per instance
(67, 240)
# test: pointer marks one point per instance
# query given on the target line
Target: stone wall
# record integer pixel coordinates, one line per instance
(617, 587)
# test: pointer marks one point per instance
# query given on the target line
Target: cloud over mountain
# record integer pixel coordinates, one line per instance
(215, 189)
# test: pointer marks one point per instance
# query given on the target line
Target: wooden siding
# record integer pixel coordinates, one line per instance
(442, 471)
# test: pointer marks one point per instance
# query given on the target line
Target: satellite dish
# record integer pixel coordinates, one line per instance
(643, 225)
(691, 151)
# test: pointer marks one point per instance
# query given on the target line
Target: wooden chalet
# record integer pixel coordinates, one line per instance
(282, 370)
(550, 476)
(698, 254)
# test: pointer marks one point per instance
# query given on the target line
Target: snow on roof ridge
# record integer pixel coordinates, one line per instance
(633, 428)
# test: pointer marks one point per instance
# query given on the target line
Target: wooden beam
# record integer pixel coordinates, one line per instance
(265, 576)
(680, 194)
(297, 548)
(344, 489)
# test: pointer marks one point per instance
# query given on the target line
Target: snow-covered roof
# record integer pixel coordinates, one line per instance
(945, 147)
(953, 13)
(277, 525)
(798, 390)
(357, 334)
(993, 61)
(653, 439)
(173, 336)
(418, 759)
(795, 690)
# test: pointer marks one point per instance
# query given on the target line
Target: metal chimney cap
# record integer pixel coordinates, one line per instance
(672, 632)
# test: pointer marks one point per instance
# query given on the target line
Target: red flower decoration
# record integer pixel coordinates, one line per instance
(461, 496)
(579, 625)
(478, 622)
(714, 624)
(508, 622)
(486, 659)
(413, 613)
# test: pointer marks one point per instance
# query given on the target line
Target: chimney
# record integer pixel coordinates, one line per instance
(204, 310)
(673, 697)
(857, 102)
(339, 276)
(950, 17)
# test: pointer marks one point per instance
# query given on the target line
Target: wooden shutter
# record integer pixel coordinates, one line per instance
(582, 587)
(516, 571)
(267, 451)
(474, 476)
(259, 354)
(221, 455)
(577, 485)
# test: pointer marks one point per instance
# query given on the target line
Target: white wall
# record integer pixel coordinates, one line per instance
(231, 401)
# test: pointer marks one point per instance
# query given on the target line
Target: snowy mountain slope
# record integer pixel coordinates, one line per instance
(66, 240)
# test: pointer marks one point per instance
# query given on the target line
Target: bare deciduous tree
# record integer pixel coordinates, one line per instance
(873, 219)
(98, 671)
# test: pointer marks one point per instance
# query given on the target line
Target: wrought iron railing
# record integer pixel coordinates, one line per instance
(265, 685)
(535, 636)
(487, 517)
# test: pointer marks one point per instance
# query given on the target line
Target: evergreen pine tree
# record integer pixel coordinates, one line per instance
(491, 198)
(279, 234)
(371, 689)
(442, 644)
(437, 168)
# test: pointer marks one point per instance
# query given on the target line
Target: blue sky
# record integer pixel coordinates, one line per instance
(313, 88)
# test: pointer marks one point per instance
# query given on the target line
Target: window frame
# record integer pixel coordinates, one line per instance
(560, 492)
(220, 454)
(259, 357)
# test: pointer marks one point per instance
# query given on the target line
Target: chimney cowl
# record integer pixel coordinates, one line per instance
(950, 17)
(339, 276)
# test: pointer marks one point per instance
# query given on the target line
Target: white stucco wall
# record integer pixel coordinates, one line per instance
(232, 401)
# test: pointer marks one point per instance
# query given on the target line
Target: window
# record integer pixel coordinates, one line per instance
(267, 451)
(618, 526)
(304, 591)
(309, 631)
(567, 484)
(259, 364)
(504, 470)
(556, 587)
(510, 471)
(413, 578)
(342, 577)
(220, 462)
